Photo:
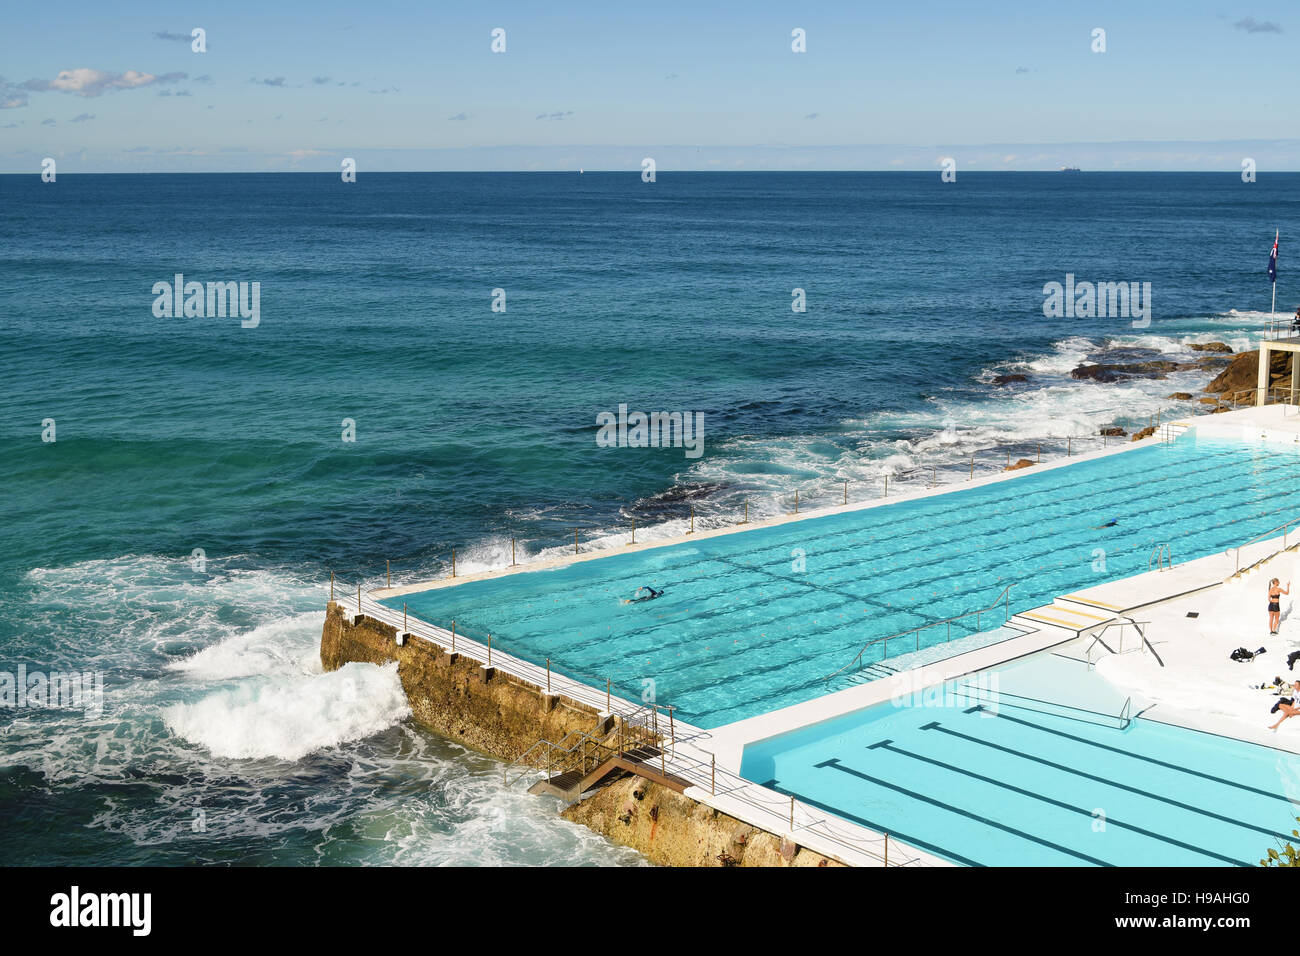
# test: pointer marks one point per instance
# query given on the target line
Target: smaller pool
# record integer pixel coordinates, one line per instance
(992, 779)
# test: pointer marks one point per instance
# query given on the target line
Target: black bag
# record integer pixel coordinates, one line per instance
(1241, 654)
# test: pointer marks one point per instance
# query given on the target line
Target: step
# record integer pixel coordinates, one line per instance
(1069, 618)
(1089, 605)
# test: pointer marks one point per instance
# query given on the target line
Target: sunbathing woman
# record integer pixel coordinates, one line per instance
(1287, 706)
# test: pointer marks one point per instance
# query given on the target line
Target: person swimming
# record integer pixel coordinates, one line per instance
(1109, 524)
(643, 593)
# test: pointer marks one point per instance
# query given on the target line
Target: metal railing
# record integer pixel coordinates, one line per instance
(1283, 327)
(995, 698)
(1264, 536)
(1121, 624)
(1271, 396)
(1004, 599)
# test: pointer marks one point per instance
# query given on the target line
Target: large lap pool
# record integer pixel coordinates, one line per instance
(753, 621)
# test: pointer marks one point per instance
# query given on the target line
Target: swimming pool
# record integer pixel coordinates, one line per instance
(754, 621)
(1023, 785)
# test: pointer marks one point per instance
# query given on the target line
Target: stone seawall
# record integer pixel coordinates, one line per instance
(454, 696)
(502, 716)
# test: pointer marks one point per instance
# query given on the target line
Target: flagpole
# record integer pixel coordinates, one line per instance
(1273, 306)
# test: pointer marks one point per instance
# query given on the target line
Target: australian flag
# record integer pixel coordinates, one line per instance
(1272, 260)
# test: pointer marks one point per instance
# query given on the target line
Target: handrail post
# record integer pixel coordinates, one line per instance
(331, 585)
(453, 562)
(713, 774)
(388, 572)
(692, 531)
(548, 675)
(846, 491)
(512, 552)
(453, 634)
(358, 598)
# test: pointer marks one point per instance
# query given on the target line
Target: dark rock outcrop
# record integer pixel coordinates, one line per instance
(1243, 374)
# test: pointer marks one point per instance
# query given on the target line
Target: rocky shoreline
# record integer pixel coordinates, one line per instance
(1236, 375)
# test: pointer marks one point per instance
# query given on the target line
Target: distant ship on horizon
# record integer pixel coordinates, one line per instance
(1071, 169)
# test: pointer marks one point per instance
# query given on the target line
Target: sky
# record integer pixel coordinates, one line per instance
(297, 86)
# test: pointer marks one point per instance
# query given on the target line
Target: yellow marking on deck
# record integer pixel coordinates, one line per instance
(1094, 601)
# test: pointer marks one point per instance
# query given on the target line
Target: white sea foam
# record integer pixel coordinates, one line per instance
(290, 717)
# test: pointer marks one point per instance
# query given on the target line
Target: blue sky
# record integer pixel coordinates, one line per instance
(997, 85)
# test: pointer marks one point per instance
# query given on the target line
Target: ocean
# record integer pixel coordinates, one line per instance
(177, 536)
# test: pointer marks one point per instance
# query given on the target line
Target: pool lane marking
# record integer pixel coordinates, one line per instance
(872, 825)
(1110, 820)
(935, 725)
(834, 764)
(1137, 756)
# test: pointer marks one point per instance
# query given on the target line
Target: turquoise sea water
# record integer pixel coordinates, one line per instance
(473, 427)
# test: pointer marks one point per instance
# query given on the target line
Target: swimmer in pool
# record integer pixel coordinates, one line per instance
(643, 593)
(1109, 524)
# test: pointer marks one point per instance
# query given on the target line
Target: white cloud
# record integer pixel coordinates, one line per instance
(85, 81)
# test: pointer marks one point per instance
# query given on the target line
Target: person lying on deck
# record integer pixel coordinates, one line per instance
(643, 593)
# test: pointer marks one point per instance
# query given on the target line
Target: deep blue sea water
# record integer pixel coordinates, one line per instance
(220, 739)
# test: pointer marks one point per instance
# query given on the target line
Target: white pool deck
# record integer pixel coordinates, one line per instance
(1197, 687)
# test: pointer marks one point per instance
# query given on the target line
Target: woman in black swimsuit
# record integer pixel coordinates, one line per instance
(1275, 592)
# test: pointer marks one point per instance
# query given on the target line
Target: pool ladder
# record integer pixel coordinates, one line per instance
(1158, 555)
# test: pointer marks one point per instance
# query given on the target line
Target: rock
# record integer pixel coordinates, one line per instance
(1022, 463)
(1211, 400)
(1009, 379)
(1212, 347)
(788, 848)
(1243, 373)
(1155, 368)
(1113, 431)
(1144, 433)
(1095, 373)
(1181, 396)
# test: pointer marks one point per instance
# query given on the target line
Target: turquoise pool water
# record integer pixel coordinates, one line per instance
(1017, 786)
(755, 621)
